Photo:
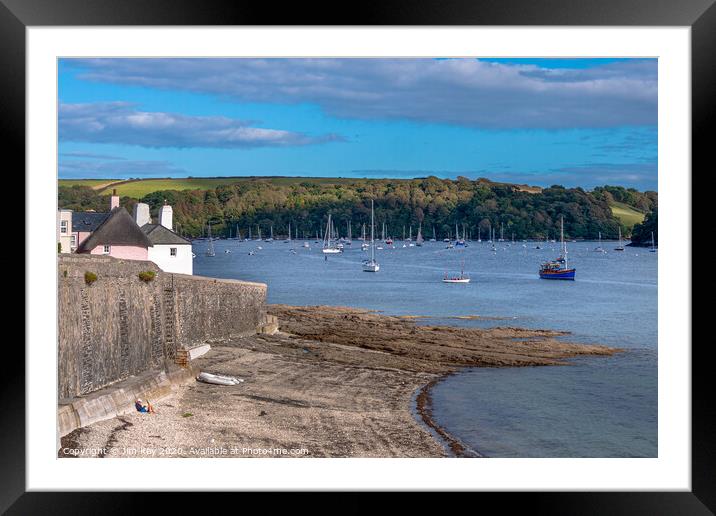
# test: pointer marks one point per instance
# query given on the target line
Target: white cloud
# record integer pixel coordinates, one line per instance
(121, 122)
(467, 92)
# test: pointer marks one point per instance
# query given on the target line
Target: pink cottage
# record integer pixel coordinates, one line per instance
(118, 236)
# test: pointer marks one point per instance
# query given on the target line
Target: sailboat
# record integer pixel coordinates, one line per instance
(419, 239)
(558, 269)
(620, 247)
(434, 239)
(371, 265)
(462, 278)
(328, 247)
(210, 249)
(653, 247)
(288, 240)
(348, 240)
(599, 248)
(459, 242)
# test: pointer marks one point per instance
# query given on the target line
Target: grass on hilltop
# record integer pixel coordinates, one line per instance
(95, 184)
(628, 215)
(141, 187)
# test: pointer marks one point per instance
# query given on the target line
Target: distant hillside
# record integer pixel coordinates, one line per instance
(475, 205)
(95, 184)
(628, 215)
(138, 188)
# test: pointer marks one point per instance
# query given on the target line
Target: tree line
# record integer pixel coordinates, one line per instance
(475, 205)
(641, 234)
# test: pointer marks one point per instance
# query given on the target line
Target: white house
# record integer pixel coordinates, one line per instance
(169, 251)
(65, 237)
(115, 233)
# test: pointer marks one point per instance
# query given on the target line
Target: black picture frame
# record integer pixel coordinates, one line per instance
(17, 15)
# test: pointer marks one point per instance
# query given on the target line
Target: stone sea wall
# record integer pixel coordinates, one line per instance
(119, 325)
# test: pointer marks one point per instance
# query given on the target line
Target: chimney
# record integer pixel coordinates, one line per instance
(165, 216)
(141, 214)
(114, 200)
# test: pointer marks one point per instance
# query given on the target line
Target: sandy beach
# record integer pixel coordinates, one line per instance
(333, 382)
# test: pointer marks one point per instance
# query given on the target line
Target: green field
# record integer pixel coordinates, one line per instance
(139, 188)
(628, 215)
(95, 184)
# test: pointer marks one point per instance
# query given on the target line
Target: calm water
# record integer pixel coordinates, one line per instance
(597, 407)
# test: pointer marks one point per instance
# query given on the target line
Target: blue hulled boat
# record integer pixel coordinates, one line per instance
(558, 269)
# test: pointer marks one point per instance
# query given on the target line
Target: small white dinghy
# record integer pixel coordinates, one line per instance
(462, 278)
(218, 379)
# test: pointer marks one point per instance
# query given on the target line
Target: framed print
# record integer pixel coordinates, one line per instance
(407, 251)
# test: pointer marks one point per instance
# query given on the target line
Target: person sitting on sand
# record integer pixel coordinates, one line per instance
(141, 407)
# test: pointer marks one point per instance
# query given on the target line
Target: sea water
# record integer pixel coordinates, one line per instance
(595, 407)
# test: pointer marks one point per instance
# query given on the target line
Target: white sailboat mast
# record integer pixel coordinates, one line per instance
(327, 237)
(372, 238)
(564, 245)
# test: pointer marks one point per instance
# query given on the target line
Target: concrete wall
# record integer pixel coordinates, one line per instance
(182, 263)
(120, 326)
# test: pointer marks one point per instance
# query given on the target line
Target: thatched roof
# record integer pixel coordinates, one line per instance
(118, 229)
(159, 235)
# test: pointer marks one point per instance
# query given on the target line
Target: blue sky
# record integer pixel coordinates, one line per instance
(576, 122)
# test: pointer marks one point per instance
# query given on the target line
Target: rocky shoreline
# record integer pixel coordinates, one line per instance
(333, 382)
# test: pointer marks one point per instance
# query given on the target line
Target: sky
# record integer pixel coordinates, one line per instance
(573, 122)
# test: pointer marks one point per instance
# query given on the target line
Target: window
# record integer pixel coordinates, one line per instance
(63, 226)
(73, 241)
(172, 251)
(106, 249)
